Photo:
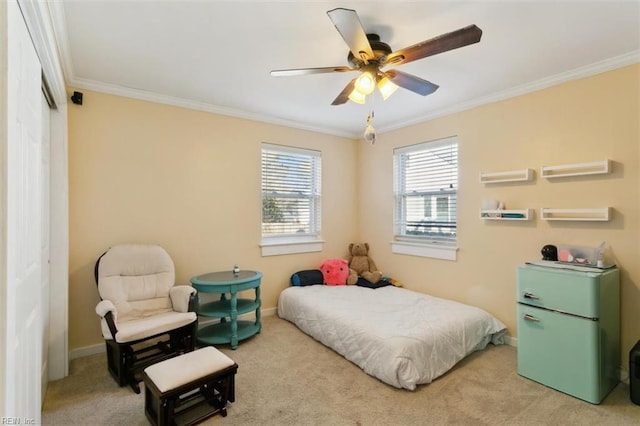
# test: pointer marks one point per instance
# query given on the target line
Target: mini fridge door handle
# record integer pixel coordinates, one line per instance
(529, 317)
(528, 295)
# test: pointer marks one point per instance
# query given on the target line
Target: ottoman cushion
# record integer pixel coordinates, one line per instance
(186, 368)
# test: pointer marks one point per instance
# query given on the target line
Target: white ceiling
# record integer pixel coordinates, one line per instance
(216, 55)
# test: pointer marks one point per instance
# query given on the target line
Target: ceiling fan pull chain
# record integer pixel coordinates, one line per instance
(370, 131)
(373, 99)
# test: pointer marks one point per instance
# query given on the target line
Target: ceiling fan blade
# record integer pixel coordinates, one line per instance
(307, 71)
(449, 41)
(343, 97)
(411, 82)
(348, 25)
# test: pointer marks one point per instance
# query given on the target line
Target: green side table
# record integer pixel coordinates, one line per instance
(228, 307)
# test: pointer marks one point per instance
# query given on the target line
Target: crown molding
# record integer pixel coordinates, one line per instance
(575, 74)
(37, 17)
(129, 92)
(59, 28)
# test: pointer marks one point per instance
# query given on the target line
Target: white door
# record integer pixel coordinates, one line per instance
(45, 240)
(23, 332)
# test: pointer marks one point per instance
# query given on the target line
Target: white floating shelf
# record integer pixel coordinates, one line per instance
(600, 214)
(509, 176)
(579, 169)
(525, 214)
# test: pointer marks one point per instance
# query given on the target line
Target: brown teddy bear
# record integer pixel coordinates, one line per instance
(360, 264)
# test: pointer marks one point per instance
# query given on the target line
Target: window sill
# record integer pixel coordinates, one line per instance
(282, 246)
(444, 251)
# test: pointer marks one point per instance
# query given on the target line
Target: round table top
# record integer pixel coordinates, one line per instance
(226, 277)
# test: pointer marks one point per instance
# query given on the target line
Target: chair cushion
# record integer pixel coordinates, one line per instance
(186, 368)
(136, 278)
(136, 329)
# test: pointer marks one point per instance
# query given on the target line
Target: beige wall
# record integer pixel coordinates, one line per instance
(189, 181)
(591, 119)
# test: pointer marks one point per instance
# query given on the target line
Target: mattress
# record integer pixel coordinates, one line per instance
(402, 337)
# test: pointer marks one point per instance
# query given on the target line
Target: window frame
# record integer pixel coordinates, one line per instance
(439, 247)
(289, 243)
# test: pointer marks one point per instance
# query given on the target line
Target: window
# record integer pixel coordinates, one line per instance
(291, 193)
(426, 192)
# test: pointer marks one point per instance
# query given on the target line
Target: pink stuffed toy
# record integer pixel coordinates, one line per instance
(335, 271)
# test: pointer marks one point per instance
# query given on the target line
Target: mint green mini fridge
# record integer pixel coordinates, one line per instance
(569, 329)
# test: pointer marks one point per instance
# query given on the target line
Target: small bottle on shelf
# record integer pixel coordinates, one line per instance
(600, 260)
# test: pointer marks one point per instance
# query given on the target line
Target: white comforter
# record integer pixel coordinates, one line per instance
(402, 337)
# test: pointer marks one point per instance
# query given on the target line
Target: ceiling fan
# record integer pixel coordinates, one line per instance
(369, 56)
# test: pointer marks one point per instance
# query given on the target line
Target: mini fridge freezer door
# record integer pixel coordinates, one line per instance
(560, 351)
(562, 290)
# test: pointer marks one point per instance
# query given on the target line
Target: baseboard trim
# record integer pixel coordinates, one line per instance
(100, 347)
(511, 341)
(86, 351)
(269, 312)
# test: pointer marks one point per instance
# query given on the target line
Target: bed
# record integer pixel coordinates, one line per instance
(401, 337)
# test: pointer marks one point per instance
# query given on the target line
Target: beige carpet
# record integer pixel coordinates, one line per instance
(287, 378)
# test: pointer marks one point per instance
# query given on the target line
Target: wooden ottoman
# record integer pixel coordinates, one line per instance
(189, 388)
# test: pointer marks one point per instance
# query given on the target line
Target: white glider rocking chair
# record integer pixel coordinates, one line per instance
(140, 306)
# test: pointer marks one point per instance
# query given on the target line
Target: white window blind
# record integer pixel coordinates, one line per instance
(291, 192)
(426, 190)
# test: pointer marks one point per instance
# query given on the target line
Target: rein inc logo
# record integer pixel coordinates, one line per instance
(17, 421)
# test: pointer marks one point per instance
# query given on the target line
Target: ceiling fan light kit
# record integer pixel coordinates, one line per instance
(368, 55)
(366, 83)
(386, 87)
(357, 96)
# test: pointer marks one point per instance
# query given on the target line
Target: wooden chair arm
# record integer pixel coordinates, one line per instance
(112, 324)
